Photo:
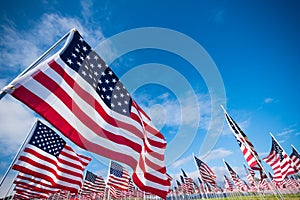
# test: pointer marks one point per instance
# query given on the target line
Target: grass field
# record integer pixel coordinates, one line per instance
(267, 197)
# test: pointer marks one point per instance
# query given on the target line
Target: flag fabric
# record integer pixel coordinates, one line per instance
(92, 184)
(250, 177)
(32, 183)
(280, 162)
(207, 175)
(188, 182)
(83, 98)
(234, 177)
(23, 192)
(228, 184)
(47, 156)
(245, 145)
(118, 176)
(295, 157)
(201, 185)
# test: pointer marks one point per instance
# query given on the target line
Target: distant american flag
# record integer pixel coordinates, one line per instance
(295, 157)
(83, 98)
(207, 175)
(250, 177)
(47, 156)
(234, 177)
(188, 183)
(280, 162)
(118, 176)
(228, 184)
(92, 184)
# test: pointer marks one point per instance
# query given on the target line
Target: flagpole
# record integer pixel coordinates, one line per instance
(37, 61)
(295, 149)
(18, 153)
(258, 162)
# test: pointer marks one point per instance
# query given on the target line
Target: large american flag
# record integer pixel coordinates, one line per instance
(118, 176)
(280, 162)
(47, 156)
(245, 145)
(295, 157)
(207, 175)
(92, 184)
(83, 98)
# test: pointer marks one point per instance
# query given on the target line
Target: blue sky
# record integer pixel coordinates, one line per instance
(254, 46)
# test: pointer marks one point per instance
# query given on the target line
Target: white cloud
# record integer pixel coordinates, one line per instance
(16, 121)
(181, 162)
(286, 131)
(216, 154)
(269, 100)
(24, 47)
(162, 109)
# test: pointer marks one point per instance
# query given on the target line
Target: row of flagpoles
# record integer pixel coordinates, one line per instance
(77, 93)
(48, 166)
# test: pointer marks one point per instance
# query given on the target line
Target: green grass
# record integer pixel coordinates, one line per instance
(266, 197)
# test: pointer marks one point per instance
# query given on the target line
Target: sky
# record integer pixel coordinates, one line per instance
(180, 61)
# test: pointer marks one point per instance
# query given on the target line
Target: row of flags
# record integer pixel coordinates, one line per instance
(48, 165)
(282, 165)
(79, 95)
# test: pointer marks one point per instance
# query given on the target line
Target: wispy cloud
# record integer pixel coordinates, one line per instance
(16, 121)
(269, 100)
(162, 108)
(216, 154)
(181, 162)
(286, 132)
(22, 47)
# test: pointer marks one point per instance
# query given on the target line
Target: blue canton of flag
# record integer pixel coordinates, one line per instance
(47, 140)
(118, 176)
(116, 169)
(80, 57)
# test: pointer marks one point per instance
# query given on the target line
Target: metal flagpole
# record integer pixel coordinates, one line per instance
(37, 61)
(259, 163)
(18, 153)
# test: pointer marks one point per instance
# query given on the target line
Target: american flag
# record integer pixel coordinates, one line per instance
(47, 156)
(228, 184)
(250, 177)
(207, 175)
(295, 157)
(188, 182)
(83, 98)
(201, 185)
(23, 192)
(280, 162)
(118, 176)
(32, 183)
(245, 145)
(92, 184)
(234, 177)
